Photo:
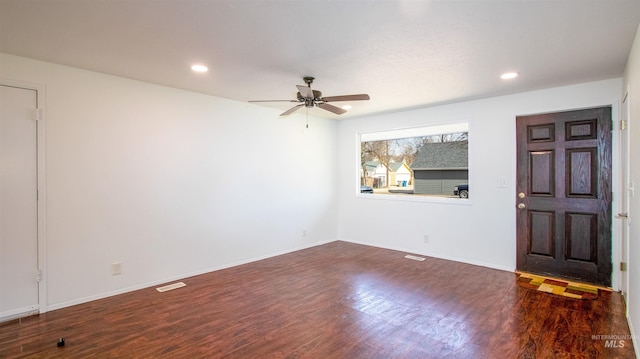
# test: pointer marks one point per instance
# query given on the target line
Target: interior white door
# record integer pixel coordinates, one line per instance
(18, 202)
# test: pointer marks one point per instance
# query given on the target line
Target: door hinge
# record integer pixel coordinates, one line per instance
(37, 114)
(38, 276)
(623, 124)
(623, 266)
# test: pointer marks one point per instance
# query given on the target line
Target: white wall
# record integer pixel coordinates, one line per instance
(484, 231)
(632, 82)
(140, 174)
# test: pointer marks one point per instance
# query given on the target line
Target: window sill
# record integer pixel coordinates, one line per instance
(414, 198)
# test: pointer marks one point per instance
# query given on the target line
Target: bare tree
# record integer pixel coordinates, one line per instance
(454, 137)
(376, 151)
(365, 156)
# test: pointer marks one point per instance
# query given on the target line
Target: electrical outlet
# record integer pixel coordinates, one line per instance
(426, 238)
(305, 233)
(116, 268)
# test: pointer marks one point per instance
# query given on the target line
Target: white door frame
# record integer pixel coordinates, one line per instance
(625, 166)
(41, 179)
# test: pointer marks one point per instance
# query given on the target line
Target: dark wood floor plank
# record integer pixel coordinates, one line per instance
(339, 300)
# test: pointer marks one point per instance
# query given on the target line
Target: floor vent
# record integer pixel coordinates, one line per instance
(170, 287)
(415, 258)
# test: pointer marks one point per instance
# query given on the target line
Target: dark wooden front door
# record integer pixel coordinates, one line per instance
(564, 194)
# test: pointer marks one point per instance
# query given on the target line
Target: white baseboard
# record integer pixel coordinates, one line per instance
(18, 313)
(435, 255)
(634, 337)
(155, 283)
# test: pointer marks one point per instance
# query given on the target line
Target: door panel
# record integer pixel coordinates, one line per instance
(564, 194)
(582, 169)
(18, 202)
(542, 173)
(581, 237)
(542, 227)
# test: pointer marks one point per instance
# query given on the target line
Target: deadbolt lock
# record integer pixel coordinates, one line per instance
(521, 195)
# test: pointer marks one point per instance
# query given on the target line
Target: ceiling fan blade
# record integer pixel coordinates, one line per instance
(292, 110)
(359, 97)
(305, 91)
(273, 100)
(332, 108)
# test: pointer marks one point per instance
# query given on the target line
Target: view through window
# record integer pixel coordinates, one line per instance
(430, 161)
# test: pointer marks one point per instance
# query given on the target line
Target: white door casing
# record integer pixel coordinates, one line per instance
(625, 168)
(21, 149)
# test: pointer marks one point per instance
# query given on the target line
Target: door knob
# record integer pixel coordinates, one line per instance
(521, 205)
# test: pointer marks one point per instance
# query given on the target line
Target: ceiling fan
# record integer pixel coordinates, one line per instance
(309, 98)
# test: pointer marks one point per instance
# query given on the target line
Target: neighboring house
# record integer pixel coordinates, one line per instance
(440, 166)
(376, 174)
(399, 172)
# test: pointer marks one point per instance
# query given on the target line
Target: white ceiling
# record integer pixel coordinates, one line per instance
(403, 53)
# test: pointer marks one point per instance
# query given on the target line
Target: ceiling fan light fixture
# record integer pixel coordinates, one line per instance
(509, 75)
(199, 68)
(309, 98)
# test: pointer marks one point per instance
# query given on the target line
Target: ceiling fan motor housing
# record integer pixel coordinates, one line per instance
(316, 96)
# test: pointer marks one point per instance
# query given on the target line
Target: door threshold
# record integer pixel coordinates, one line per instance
(568, 280)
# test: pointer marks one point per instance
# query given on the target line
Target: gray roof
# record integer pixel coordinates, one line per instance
(442, 155)
(370, 166)
(393, 166)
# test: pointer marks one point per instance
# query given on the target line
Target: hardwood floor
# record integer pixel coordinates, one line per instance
(339, 300)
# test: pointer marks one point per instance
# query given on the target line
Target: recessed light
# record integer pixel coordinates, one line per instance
(199, 68)
(346, 107)
(509, 75)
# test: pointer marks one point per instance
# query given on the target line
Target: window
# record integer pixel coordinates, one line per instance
(431, 161)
